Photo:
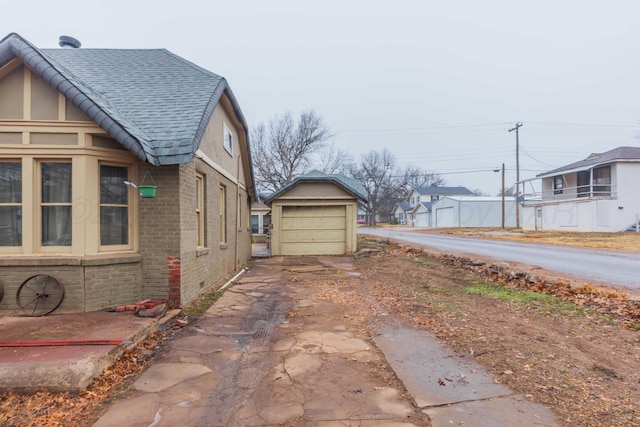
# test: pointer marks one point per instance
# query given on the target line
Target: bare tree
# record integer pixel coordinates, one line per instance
(479, 193)
(333, 160)
(415, 178)
(381, 180)
(284, 147)
(508, 192)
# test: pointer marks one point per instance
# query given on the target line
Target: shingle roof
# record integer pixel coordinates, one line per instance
(594, 159)
(351, 185)
(405, 206)
(453, 191)
(153, 102)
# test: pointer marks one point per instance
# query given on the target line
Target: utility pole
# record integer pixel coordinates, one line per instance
(503, 196)
(516, 127)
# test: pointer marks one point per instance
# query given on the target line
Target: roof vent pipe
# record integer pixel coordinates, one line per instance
(68, 42)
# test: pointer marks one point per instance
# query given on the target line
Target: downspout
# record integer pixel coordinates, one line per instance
(238, 216)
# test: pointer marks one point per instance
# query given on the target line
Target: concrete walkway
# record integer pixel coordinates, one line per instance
(272, 352)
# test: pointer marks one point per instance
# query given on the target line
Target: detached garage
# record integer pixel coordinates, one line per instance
(315, 215)
(473, 211)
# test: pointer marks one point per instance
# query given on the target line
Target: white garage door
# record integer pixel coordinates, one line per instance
(313, 230)
(444, 217)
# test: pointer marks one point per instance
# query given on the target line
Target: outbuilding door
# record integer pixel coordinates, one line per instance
(313, 230)
(444, 217)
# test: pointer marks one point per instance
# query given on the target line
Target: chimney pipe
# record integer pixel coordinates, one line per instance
(68, 42)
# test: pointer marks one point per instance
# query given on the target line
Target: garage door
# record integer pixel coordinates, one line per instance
(313, 230)
(444, 217)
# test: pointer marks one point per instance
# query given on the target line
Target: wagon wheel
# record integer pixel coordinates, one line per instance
(40, 295)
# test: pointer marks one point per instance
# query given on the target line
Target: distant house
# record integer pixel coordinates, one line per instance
(416, 211)
(78, 129)
(402, 213)
(599, 193)
(315, 214)
(474, 211)
(433, 194)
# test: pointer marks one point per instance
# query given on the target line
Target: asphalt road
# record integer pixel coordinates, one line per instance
(594, 265)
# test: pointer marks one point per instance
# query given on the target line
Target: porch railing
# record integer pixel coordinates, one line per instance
(581, 192)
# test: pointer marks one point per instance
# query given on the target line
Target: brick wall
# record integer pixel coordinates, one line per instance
(111, 285)
(201, 268)
(89, 285)
(159, 230)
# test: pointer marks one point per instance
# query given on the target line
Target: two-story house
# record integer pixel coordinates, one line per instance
(599, 193)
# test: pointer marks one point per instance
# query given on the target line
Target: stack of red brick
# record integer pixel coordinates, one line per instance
(144, 308)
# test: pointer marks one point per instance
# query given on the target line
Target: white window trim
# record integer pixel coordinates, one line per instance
(227, 137)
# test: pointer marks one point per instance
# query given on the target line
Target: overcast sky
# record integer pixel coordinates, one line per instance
(437, 83)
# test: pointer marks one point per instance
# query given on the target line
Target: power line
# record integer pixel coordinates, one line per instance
(582, 124)
(422, 128)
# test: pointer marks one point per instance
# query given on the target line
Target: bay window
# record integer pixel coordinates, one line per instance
(10, 204)
(55, 203)
(114, 205)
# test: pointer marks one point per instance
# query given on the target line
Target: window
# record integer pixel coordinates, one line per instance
(239, 212)
(10, 204)
(602, 181)
(434, 199)
(55, 203)
(583, 183)
(255, 224)
(114, 205)
(200, 211)
(223, 214)
(557, 184)
(228, 139)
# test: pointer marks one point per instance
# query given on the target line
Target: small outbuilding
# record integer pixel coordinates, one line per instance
(473, 212)
(315, 214)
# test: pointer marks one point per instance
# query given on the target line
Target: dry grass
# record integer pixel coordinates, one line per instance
(628, 241)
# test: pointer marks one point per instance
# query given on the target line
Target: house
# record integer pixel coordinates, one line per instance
(260, 219)
(79, 128)
(599, 193)
(402, 213)
(315, 214)
(455, 211)
(416, 211)
(433, 194)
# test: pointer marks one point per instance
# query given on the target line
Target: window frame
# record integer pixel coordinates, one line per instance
(19, 205)
(201, 241)
(40, 247)
(129, 205)
(223, 214)
(558, 184)
(227, 139)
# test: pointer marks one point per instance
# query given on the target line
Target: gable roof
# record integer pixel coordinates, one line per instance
(153, 102)
(350, 185)
(596, 159)
(405, 206)
(454, 191)
(425, 205)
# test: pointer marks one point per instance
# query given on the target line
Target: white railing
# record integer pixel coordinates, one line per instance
(571, 193)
